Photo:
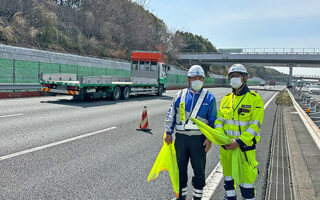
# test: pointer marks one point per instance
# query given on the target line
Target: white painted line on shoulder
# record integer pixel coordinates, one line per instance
(54, 144)
(212, 182)
(266, 105)
(13, 115)
(216, 175)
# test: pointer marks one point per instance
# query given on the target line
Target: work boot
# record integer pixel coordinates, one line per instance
(230, 198)
(180, 198)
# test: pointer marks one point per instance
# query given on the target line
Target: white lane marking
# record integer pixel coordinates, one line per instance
(13, 115)
(266, 105)
(216, 175)
(54, 144)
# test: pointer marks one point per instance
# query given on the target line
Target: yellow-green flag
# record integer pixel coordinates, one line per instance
(217, 137)
(167, 161)
(239, 163)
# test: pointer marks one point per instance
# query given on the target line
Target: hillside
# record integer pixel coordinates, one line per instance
(96, 28)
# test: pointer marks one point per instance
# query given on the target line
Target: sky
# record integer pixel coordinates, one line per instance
(246, 23)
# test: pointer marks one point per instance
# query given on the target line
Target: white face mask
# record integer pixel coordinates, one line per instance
(196, 85)
(235, 83)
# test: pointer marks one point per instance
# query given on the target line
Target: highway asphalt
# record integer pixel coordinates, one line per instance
(58, 148)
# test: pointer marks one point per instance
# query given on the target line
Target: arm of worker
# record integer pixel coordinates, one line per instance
(218, 124)
(253, 131)
(170, 121)
(212, 115)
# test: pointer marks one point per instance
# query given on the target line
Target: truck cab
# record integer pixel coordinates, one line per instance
(150, 64)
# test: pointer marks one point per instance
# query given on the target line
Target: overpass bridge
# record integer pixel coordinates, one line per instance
(259, 57)
(300, 76)
(304, 76)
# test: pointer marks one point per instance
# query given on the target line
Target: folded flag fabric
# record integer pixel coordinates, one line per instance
(166, 161)
(239, 162)
(217, 137)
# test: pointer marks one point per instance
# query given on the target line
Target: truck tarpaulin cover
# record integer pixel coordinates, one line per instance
(146, 56)
(166, 161)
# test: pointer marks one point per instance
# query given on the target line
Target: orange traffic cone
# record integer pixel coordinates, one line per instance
(144, 125)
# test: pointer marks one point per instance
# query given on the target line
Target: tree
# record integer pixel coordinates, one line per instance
(196, 43)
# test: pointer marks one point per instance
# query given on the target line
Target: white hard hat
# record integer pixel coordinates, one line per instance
(196, 70)
(237, 68)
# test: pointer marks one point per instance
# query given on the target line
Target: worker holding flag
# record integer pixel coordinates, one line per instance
(240, 117)
(190, 143)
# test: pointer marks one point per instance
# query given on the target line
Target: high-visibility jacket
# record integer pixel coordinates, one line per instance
(207, 112)
(241, 117)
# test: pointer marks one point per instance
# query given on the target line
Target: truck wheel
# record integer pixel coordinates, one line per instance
(125, 93)
(160, 90)
(116, 93)
(80, 97)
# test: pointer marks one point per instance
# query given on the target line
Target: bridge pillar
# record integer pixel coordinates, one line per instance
(290, 76)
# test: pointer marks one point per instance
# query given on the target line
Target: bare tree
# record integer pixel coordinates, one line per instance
(144, 3)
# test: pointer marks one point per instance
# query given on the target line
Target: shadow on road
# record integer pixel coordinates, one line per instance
(104, 102)
(148, 132)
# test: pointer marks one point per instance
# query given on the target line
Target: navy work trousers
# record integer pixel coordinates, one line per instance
(191, 147)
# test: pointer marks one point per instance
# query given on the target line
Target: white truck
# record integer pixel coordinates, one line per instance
(148, 75)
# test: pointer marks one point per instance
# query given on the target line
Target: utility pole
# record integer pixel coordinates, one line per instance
(290, 76)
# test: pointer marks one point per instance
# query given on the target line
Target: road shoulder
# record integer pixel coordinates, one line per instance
(304, 157)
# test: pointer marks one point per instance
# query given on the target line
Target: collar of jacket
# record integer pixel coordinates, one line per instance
(198, 92)
(244, 90)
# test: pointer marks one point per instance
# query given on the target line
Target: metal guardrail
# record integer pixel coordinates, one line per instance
(20, 86)
(312, 119)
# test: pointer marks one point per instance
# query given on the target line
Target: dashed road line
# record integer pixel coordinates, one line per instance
(54, 144)
(12, 115)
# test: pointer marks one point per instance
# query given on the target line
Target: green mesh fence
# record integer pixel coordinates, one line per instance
(253, 82)
(69, 69)
(209, 80)
(6, 71)
(48, 68)
(177, 79)
(28, 71)
(181, 80)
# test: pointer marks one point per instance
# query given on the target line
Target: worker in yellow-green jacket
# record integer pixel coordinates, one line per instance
(240, 116)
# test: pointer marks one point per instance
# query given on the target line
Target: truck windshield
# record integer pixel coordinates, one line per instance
(153, 66)
(147, 65)
(134, 65)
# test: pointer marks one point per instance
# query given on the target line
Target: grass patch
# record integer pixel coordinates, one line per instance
(283, 98)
